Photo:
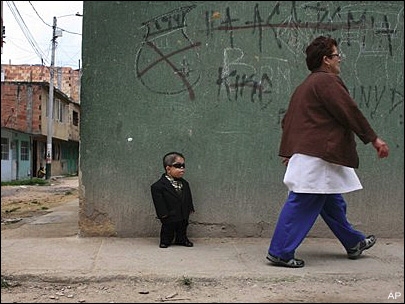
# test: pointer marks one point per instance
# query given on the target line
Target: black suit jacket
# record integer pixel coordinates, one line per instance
(168, 202)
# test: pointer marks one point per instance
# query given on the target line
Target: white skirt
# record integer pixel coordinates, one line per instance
(308, 174)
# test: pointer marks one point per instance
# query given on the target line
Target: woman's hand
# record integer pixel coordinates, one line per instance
(381, 147)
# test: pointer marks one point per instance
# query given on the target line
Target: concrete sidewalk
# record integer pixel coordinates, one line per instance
(107, 258)
(36, 250)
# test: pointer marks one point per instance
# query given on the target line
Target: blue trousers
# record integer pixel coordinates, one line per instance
(299, 214)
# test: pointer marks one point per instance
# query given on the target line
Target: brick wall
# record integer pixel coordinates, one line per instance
(21, 107)
(66, 79)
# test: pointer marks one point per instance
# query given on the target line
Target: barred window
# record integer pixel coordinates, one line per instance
(5, 149)
(25, 150)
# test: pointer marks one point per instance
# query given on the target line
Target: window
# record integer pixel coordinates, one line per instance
(5, 151)
(75, 118)
(59, 110)
(25, 150)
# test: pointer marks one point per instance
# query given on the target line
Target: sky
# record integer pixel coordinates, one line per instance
(36, 18)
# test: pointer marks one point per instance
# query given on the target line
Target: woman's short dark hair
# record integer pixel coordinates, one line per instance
(170, 157)
(319, 47)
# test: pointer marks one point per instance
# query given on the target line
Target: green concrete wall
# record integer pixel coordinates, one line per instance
(212, 80)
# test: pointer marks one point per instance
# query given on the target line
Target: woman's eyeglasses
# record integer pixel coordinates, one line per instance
(179, 165)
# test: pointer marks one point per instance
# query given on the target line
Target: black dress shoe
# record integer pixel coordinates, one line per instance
(163, 246)
(188, 244)
(185, 244)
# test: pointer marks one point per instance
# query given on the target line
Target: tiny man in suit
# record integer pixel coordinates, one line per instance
(173, 201)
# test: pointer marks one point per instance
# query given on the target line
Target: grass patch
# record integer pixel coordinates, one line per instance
(4, 283)
(13, 209)
(186, 281)
(27, 182)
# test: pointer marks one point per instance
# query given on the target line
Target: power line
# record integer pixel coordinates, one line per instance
(26, 31)
(15, 8)
(73, 33)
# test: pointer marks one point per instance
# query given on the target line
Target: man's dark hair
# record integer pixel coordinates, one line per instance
(170, 157)
(319, 47)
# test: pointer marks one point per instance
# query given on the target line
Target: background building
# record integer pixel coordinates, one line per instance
(24, 120)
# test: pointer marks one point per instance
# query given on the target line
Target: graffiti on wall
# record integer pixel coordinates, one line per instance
(153, 56)
(169, 52)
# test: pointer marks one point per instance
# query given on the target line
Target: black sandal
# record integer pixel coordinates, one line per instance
(292, 263)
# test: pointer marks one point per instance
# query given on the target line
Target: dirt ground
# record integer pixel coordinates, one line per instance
(201, 291)
(19, 202)
(22, 202)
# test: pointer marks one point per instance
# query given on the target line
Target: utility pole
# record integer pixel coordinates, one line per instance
(50, 106)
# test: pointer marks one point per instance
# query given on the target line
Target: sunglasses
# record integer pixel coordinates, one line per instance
(179, 165)
(335, 55)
